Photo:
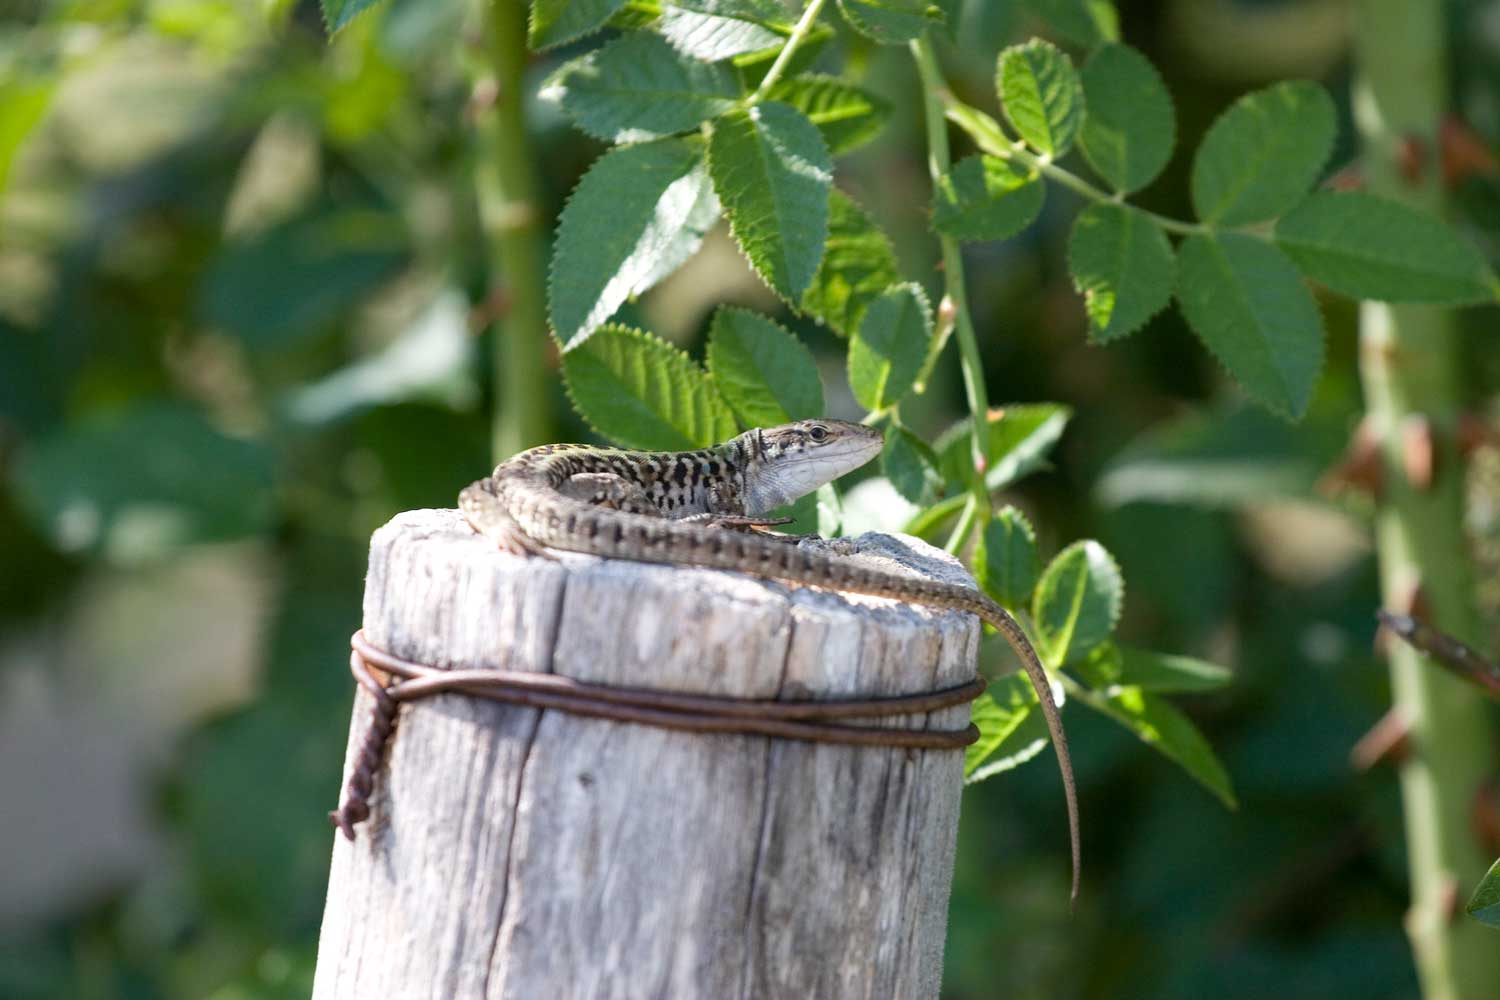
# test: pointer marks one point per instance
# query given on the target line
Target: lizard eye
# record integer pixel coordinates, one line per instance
(817, 432)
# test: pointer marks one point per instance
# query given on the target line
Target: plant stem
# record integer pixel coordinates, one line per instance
(505, 178)
(977, 510)
(799, 32)
(1412, 375)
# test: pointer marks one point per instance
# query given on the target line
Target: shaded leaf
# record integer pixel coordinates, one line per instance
(143, 483)
(767, 375)
(891, 22)
(638, 87)
(1113, 666)
(638, 213)
(1124, 268)
(847, 116)
(1484, 905)
(556, 21)
(295, 279)
(1042, 95)
(641, 392)
(1130, 128)
(858, 265)
(887, 353)
(1247, 302)
(773, 174)
(1001, 714)
(338, 13)
(1020, 436)
(986, 198)
(1077, 602)
(1260, 156)
(1370, 247)
(910, 465)
(1006, 563)
(1220, 459)
(1162, 727)
(1082, 22)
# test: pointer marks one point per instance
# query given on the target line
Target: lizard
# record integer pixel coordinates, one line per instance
(708, 508)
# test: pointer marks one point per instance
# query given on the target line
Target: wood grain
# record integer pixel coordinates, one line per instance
(520, 853)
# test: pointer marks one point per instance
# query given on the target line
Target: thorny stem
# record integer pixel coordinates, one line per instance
(505, 178)
(789, 49)
(1410, 364)
(977, 509)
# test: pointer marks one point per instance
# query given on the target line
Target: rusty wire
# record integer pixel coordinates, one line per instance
(793, 720)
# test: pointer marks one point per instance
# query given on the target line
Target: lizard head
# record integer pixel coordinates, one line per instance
(797, 458)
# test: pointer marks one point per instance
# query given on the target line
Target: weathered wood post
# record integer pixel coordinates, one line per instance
(524, 853)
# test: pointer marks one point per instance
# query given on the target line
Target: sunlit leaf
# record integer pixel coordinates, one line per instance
(772, 172)
(555, 21)
(910, 465)
(1162, 727)
(767, 375)
(1042, 95)
(887, 353)
(1001, 714)
(1484, 905)
(858, 265)
(848, 116)
(1077, 602)
(638, 213)
(1006, 563)
(1112, 666)
(986, 198)
(642, 392)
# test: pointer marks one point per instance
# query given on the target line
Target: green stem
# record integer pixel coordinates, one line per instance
(1412, 370)
(784, 57)
(972, 365)
(505, 178)
(988, 136)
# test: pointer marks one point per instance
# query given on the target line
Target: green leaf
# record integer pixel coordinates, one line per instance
(1001, 714)
(1484, 905)
(140, 484)
(295, 279)
(858, 265)
(1262, 155)
(891, 22)
(765, 372)
(23, 103)
(847, 116)
(910, 465)
(887, 353)
(1246, 301)
(641, 392)
(639, 87)
(556, 21)
(1370, 247)
(1161, 726)
(1077, 602)
(1042, 95)
(1122, 264)
(752, 66)
(1130, 128)
(1082, 22)
(773, 173)
(986, 198)
(338, 13)
(1006, 563)
(638, 213)
(1112, 666)
(1020, 436)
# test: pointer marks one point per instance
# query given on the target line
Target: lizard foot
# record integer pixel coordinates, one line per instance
(738, 522)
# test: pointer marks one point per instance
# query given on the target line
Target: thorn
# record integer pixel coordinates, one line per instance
(1448, 899)
(1358, 468)
(1351, 178)
(1411, 158)
(1474, 433)
(1484, 815)
(1418, 451)
(1387, 742)
(1464, 153)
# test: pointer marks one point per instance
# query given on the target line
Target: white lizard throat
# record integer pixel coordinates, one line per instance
(788, 480)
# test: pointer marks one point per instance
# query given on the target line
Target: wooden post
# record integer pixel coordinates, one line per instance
(521, 853)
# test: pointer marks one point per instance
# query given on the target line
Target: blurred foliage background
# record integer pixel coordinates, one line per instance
(243, 296)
